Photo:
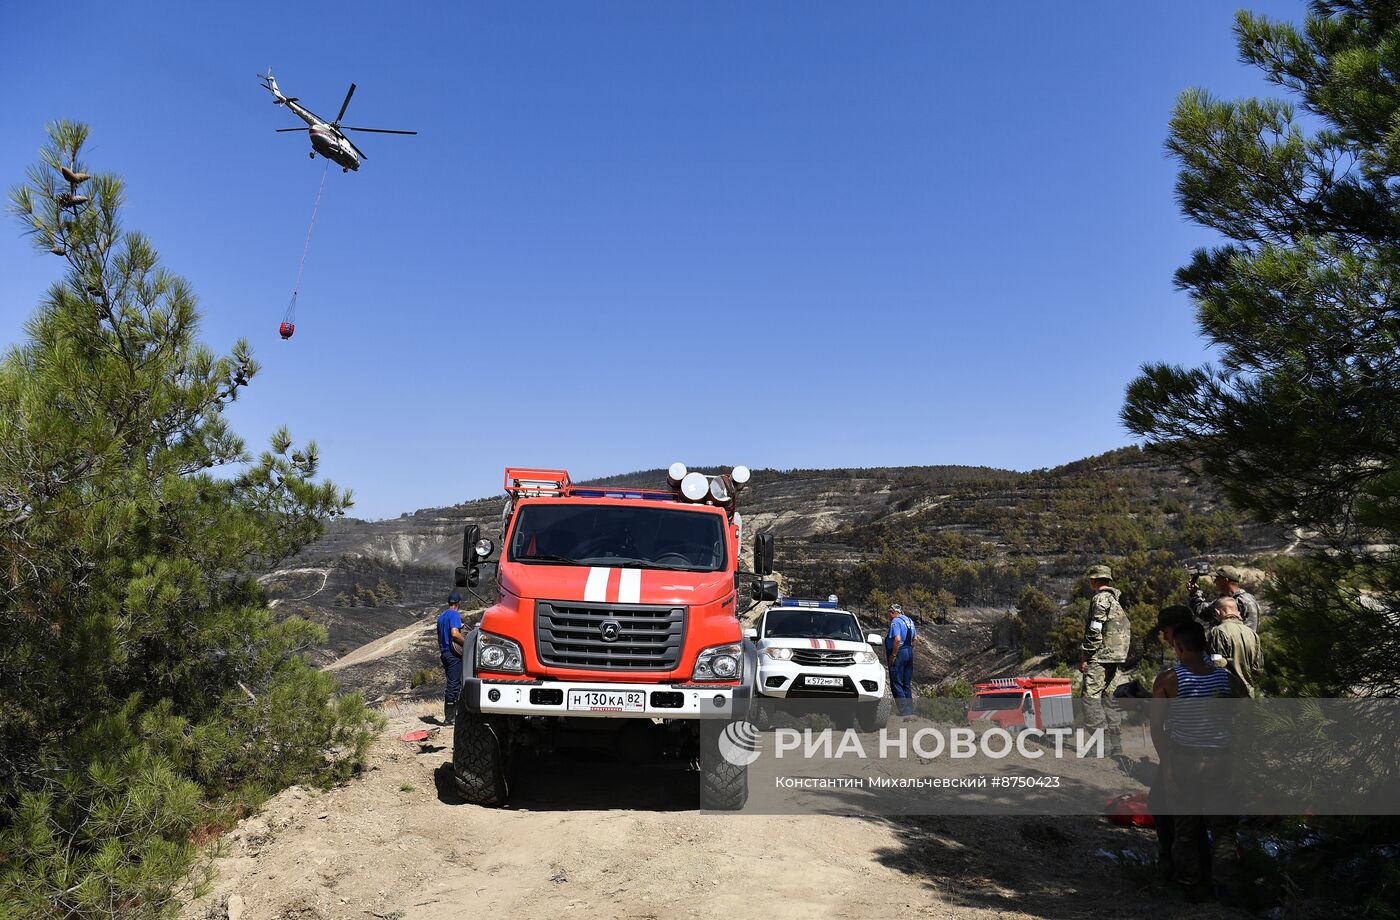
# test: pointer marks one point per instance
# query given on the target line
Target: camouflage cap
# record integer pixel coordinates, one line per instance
(1228, 572)
(1101, 572)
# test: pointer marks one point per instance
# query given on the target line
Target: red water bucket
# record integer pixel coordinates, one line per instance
(1130, 811)
(286, 329)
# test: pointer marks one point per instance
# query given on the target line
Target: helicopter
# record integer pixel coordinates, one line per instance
(327, 137)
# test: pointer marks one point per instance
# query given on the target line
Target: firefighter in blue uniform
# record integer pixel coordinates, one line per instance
(899, 652)
(449, 635)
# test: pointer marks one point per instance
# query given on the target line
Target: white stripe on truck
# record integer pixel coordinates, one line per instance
(595, 591)
(630, 590)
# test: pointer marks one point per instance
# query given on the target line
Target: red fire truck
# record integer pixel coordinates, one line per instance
(1023, 702)
(616, 608)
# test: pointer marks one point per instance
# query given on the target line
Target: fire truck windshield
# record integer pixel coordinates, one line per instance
(796, 623)
(614, 535)
(985, 701)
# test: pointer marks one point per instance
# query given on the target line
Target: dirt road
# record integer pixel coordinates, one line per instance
(591, 839)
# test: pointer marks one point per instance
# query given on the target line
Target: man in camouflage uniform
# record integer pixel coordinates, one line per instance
(1232, 640)
(1107, 634)
(1227, 584)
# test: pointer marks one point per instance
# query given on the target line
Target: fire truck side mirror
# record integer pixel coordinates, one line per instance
(764, 589)
(470, 535)
(467, 574)
(763, 554)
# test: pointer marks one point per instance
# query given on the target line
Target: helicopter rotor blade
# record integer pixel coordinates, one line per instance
(377, 130)
(344, 105)
(282, 130)
(362, 154)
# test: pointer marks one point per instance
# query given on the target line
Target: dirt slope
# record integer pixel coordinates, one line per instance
(596, 840)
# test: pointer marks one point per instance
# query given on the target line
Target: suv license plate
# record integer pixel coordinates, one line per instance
(824, 682)
(607, 700)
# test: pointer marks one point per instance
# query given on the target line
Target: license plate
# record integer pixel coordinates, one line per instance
(607, 700)
(824, 682)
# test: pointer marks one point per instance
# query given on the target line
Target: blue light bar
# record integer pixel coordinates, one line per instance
(621, 493)
(804, 602)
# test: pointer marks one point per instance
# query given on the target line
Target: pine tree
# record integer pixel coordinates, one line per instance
(140, 672)
(1299, 422)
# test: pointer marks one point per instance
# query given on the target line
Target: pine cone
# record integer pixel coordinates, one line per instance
(76, 178)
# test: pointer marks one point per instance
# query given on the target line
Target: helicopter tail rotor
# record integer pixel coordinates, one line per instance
(269, 83)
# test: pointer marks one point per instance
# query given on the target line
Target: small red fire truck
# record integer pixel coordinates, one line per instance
(1023, 702)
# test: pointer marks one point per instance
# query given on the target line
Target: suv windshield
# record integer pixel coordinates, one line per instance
(614, 535)
(811, 624)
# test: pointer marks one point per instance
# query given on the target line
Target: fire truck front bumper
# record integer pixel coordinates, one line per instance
(597, 699)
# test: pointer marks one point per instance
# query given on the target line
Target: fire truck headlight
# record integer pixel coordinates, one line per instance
(497, 653)
(719, 662)
(863, 657)
(779, 654)
(695, 486)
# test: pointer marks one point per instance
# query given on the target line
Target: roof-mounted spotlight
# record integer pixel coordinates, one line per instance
(719, 490)
(739, 476)
(675, 474)
(694, 486)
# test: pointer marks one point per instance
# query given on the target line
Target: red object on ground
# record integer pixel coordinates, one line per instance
(1130, 811)
(286, 329)
(421, 734)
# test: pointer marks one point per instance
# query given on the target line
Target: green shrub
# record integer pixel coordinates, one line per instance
(955, 689)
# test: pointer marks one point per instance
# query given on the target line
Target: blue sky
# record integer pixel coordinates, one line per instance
(783, 234)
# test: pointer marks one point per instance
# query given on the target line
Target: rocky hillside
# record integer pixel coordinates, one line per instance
(979, 535)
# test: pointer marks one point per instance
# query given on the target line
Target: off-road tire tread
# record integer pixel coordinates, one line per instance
(478, 767)
(723, 786)
(879, 714)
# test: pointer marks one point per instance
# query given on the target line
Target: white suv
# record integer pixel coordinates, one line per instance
(814, 650)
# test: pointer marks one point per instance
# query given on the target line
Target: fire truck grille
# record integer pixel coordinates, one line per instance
(609, 637)
(819, 659)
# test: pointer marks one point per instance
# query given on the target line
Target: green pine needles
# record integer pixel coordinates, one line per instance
(1299, 421)
(147, 694)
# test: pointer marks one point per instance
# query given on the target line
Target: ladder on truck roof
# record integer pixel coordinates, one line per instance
(531, 483)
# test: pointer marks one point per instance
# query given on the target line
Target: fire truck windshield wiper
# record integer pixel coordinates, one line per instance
(642, 564)
(547, 557)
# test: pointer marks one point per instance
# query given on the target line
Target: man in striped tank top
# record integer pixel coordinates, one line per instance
(1168, 618)
(1192, 738)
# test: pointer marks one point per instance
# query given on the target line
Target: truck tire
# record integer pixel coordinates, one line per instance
(478, 764)
(875, 716)
(724, 786)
